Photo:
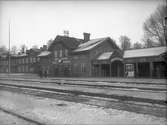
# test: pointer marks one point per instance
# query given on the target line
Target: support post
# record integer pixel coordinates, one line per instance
(100, 70)
(124, 70)
(9, 51)
(137, 71)
(151, 69)
(110, 71)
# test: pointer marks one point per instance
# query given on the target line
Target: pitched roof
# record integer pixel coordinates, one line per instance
(44, 53)
(21, 55)
(70, 42)
(105, 56)
(146, 52)
(90, 44)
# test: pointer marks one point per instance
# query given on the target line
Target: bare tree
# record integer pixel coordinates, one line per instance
(148, 43)
(154, 26)
(49, 42)
(137, 45)
(23, 48)
(14, 50)
(3, 49)
(125, 42)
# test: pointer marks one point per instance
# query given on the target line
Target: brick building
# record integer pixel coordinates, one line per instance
(83, 58)
(20, 63)
(98, 57)
(3, 63)
(101, 57)
(61, 58)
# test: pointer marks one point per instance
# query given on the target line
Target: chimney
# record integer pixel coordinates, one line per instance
(86, 37)
(44, 48)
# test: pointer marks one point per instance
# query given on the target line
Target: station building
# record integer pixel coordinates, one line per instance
(103, 58)
(84, 57)
(72, 57)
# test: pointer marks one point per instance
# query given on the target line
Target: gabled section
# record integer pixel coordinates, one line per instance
(44, 54)
(109, 55)
(69, 42)
(105, 56)
(90, 44)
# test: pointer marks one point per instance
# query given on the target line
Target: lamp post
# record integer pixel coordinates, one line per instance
(9, 51)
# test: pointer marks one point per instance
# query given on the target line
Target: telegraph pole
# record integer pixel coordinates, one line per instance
(9, 51)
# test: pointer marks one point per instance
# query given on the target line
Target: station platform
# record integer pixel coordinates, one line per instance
(89, 79)
(140, 90)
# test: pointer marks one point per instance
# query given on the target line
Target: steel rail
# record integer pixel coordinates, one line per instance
(98, 101)
(20, 116)
(77, 92)
(91, 85)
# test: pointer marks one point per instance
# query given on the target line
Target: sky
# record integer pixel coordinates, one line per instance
(36, 22)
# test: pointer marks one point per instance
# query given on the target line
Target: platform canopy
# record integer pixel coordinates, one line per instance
(146, 52)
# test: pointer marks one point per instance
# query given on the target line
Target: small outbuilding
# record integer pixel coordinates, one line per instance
(146, 62)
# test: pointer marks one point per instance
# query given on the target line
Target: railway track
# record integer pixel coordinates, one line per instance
(63, 89)
(162, 87)
(21, 117)
(128, 104)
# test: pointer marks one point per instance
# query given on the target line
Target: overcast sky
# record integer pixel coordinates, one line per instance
(35, 22)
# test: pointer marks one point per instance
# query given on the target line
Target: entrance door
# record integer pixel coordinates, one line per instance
(117, 69)
(105, 69)
(144, 69)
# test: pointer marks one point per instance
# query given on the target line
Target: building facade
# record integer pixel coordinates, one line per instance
(72, 57)
(20, 63)
(61, 57)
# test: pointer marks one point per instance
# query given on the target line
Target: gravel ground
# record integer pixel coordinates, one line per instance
(8, 119)
(51, 112)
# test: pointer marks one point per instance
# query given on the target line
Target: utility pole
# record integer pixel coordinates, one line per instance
(9, 51)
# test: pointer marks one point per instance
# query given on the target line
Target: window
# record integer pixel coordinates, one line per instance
(129, 67)
(61, 53)
(38, 59)
(55, 54)
(27, 60)
(76, 57)
(20, 61)
(34, 59)
(23, 60)
(83, 68)
(31, 60)
(26, 68)
(66, 53)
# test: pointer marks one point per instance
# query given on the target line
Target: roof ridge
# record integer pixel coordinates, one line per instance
(86, 43)
(147, 48)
